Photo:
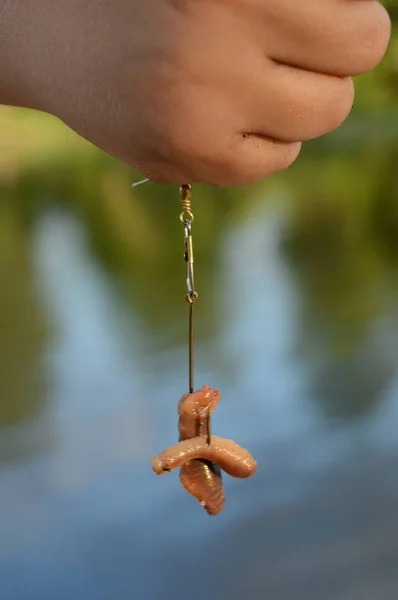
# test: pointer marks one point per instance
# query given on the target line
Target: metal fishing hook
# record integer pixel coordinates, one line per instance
(187, 218)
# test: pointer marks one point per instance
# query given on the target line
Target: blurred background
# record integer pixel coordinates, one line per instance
(297, 324)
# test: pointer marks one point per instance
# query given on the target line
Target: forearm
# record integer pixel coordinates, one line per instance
(39, 44)
(51, 49)
(20, 50)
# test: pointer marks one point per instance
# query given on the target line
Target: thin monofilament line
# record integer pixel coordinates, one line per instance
(137, 183)
(191, 347)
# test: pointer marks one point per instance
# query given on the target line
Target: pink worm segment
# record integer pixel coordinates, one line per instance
(194, 409)
(227, 454)
(200, 478)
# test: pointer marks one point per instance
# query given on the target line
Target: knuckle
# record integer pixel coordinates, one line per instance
(256, 160)
(284, 157)
(338, 105)
(373, 40)
(320, 107)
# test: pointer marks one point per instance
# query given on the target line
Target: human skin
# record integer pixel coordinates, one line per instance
(220, 92)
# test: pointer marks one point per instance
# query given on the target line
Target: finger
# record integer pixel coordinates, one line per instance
(242, 159)
(245, 159)
(293, 105)
(338, 37)
(216, 150)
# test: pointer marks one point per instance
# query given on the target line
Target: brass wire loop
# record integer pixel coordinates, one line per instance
(185, 195)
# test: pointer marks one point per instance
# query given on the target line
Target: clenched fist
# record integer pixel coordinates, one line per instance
(213, 91)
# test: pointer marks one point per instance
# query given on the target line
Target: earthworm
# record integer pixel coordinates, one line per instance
(200, 478)
(194, 411)
(229, 456)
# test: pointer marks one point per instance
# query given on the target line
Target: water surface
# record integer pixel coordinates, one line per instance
(298, 327)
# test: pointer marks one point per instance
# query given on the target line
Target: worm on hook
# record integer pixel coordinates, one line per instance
(194, 411)
(229, 456)
(200, 478)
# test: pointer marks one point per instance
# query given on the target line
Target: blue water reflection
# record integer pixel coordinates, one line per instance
(81, 513)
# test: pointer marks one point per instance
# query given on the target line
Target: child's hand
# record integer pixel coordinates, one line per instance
(213, 91)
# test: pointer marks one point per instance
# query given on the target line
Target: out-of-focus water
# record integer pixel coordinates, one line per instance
(298, 327)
